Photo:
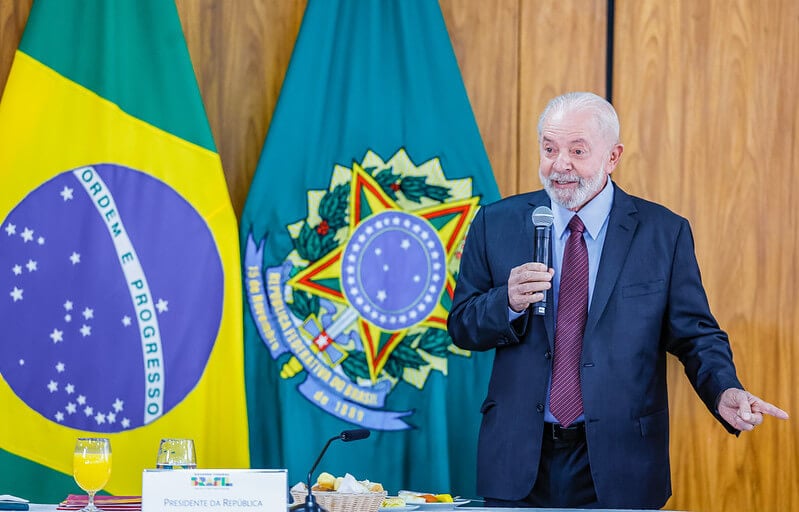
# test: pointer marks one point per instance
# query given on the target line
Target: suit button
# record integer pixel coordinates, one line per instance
(548, 355)
(539, 407)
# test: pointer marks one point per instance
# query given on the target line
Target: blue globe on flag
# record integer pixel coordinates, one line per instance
(111, 298)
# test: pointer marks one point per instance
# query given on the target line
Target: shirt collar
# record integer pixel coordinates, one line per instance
(593, 214)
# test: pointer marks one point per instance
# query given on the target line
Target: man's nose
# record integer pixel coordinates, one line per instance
(563, 162)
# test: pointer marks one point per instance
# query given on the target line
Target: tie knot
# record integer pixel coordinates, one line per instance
(576, 225)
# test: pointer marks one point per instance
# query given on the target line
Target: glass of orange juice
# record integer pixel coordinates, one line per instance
(91, 466)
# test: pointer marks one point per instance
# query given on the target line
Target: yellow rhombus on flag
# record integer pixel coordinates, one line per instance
(120, 290)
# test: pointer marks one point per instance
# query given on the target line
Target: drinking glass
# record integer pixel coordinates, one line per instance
(176, 454)
(91, 466)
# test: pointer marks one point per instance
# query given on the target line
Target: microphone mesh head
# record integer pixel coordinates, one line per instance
(542, 216)
(354, 435)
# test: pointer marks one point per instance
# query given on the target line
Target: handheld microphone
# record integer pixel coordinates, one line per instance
(542, 219)
(347, 435)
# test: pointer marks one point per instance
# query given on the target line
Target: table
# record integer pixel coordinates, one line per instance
(37, 507)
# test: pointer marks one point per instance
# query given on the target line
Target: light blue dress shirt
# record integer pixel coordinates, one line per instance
(595, 216)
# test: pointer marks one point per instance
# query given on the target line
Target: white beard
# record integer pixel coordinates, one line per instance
(587, 188)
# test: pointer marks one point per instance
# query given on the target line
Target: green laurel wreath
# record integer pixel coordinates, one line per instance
(414, 188)
(433, 341)
(313, 242)
(304, 304)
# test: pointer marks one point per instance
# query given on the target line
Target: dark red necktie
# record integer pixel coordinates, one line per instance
(565, 399)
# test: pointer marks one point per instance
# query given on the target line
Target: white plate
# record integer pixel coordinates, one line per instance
(406, 508)
(442, 506)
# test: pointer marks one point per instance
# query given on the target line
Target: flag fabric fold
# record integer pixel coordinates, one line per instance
(120, 296)
(372, 169)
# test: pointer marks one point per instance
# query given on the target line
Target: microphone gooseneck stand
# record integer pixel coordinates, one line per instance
(311, 505)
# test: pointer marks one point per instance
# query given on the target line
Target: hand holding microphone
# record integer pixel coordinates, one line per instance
(528, 283)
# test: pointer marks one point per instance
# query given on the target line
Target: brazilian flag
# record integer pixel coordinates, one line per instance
(372, 169)
(120, 297)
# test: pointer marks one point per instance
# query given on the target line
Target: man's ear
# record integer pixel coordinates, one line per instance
(614, 157)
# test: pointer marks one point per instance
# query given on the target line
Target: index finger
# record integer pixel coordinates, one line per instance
(534, 266)
(764, 407)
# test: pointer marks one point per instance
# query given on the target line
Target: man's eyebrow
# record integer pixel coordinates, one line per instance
(579, 140)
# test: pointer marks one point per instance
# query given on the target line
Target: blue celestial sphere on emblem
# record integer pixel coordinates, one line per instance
(111, 291)
(393, 269)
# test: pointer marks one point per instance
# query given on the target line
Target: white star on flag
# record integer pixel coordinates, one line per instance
(17, 269)
(71, 408)
(66, 193)
(31, 265)
(162, 305)
(88, 313)
(85, 330)
(118, 405)
(81, 399)
(59, 367)
(16, 294)
(68, 305)
(59, 416)
(57, 335)
(11, 229)
(27, 235)
(75, 258)
(88, 410)
(69, 389)
(52, 386)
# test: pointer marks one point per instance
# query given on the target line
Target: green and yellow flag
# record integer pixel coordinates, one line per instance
(120, 298)
(370, 174)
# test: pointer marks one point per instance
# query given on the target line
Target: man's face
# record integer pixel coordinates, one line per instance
(576, 158)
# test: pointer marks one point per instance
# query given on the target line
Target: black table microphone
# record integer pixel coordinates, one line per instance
(543, 219)
(348, 435)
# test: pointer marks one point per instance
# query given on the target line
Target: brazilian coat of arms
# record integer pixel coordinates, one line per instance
(360, 302)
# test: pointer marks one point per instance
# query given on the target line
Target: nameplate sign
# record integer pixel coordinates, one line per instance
(214, 490)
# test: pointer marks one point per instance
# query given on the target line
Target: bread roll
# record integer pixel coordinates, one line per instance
(325, 482)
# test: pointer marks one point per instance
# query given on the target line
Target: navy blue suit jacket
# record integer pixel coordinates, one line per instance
(648, 300)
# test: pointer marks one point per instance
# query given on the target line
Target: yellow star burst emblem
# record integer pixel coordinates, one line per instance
(392, 272)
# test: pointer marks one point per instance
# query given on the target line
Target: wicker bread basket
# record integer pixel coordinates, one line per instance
(342, 501)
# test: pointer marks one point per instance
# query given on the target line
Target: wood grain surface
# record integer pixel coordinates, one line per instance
(710, 124)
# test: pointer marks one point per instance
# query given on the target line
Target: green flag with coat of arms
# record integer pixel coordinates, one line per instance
(372, 169)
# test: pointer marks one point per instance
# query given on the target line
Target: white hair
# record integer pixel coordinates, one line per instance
(604, 113)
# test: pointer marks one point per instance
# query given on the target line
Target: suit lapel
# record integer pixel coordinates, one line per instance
(621, 228)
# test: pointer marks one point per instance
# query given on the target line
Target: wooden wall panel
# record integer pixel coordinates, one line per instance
(240, 51)
(486, 44)
(711, 130)
(13, 16)
(562, 49)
